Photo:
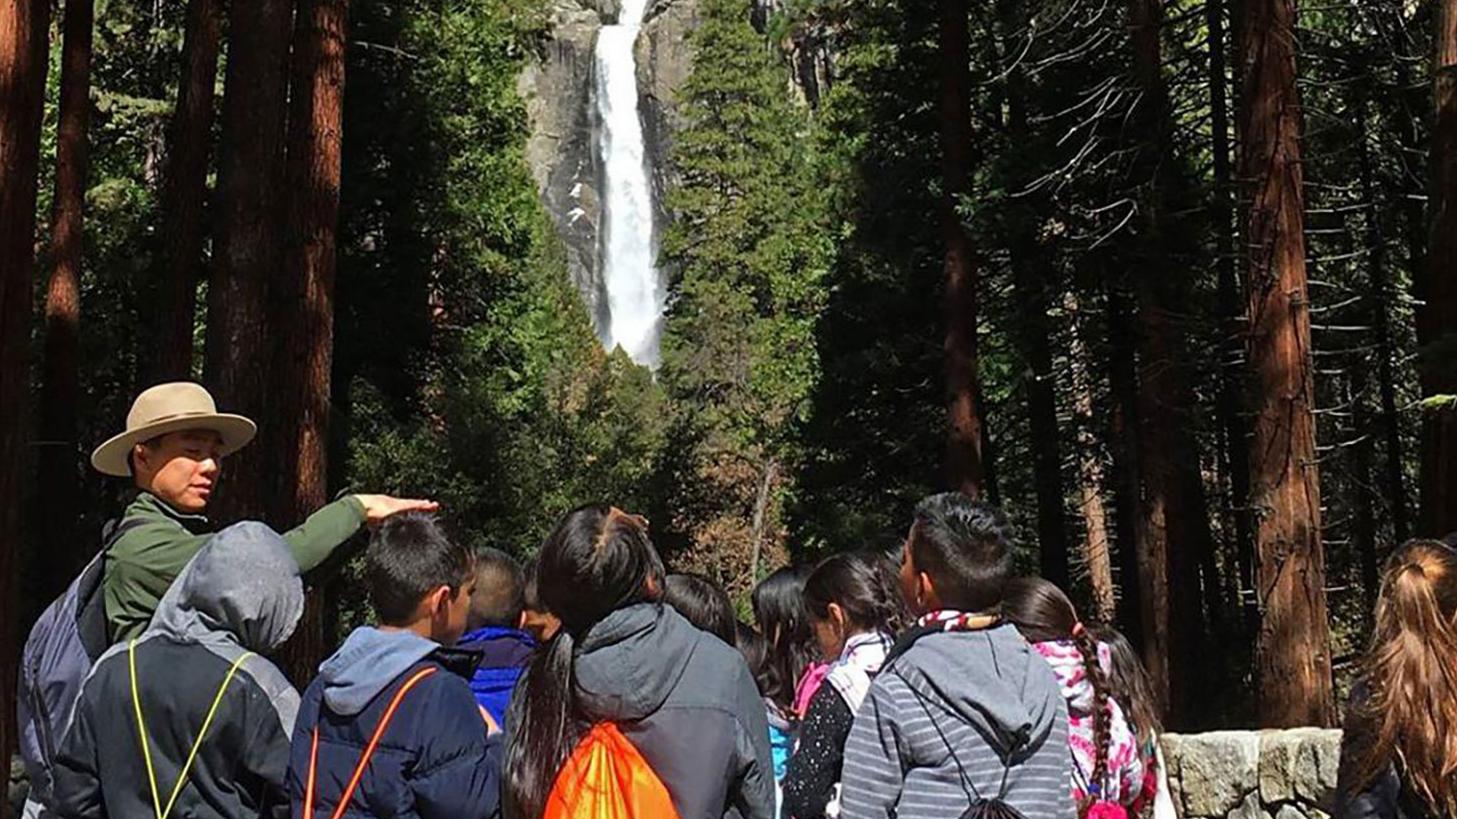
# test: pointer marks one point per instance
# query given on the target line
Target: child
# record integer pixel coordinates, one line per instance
(782, 729)
(633, 676)
(964, 709)
(496, 611)
(214, 715)
(854, 611)
(1109, 767)
(1399, 747)
(1128, 683)
(535, 619)
(389, 727)
(703, 603)
(778, 603)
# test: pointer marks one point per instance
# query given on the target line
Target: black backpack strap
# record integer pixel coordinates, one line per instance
(967, 786)
(91, 624)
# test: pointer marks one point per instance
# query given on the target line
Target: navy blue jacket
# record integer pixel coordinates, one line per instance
(1386, 797)
(434, 758)
(505, 653)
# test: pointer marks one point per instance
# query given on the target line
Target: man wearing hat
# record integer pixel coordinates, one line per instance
(172, 449)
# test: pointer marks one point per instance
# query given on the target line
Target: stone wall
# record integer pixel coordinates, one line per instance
(1253, 774)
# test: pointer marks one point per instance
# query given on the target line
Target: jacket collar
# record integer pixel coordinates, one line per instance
(151, 505)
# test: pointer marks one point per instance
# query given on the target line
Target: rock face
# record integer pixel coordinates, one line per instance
(558, 88)
(1253, 774)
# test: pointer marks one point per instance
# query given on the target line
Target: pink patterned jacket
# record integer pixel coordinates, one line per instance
(1125, 763)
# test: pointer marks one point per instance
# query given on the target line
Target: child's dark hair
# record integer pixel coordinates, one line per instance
(500, 590)
(408, 557)
(1042, 613)
(597, 560)
(1129, 685)
(755, 650)
(862, 584)
(778, 603)
(703, 603)
(965, 546)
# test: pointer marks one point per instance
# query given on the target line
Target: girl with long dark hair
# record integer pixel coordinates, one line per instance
(1108, 767)
(778, 603)
(683, 699)
(1129, 685)
(855, 611)
(1399, 749)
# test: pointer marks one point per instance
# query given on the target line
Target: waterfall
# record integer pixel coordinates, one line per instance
(635, 296)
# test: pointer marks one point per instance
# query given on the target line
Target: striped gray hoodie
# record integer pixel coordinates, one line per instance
(985, 694)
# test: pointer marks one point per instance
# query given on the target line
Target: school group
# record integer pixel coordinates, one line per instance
(921, 681)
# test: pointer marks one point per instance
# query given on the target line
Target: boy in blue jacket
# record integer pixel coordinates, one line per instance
(389, 727)
(495, 630)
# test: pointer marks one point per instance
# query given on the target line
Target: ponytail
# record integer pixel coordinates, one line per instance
(597, 560)
(1102, 714)
(542, 734)
(1411, 672)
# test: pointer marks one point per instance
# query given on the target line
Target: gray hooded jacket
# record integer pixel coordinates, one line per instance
(240, 594)
(947, 720)
(687, 702)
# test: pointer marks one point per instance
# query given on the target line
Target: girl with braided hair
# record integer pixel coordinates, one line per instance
(855, 611)
(1108, 768)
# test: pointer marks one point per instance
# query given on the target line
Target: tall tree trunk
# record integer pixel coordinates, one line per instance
(58, 481)
(1292, 651)
(184, 194)
(1236, 461)
(1363, 522)
(1096, 555)
(1439, 371)
(1380, 297)
(1175, 541)
(304, 308)
(23, 28)
(1145, 605)
(1032, 273)
(249, 242)
(964, 471)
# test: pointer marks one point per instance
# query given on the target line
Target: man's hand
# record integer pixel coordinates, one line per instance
(379, 507)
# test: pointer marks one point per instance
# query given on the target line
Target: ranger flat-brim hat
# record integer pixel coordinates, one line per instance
(174, 407)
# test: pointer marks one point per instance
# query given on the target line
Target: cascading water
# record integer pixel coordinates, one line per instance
(635, 297)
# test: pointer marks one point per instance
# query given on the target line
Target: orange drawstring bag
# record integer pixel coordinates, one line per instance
(607, 778)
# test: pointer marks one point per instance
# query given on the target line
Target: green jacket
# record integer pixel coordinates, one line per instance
(144, 561)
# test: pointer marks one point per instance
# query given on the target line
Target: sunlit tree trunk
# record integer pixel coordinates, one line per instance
(1292, 652)
(304, 302)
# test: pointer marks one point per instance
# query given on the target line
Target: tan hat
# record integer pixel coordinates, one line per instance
(165, 408)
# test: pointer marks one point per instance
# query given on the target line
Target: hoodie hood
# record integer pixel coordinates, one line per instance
(627, 664)
(366, 664)
(991, 679)
(242, 588)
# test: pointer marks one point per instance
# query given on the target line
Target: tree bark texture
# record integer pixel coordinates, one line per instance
(58, 480)
(1292, 652)
(184, 195)
(964, 470)
(23, 28)
(249, 243)
(304, 303)
(1096, 551)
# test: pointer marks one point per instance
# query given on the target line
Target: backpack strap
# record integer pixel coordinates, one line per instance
(384, 721)
(162, 813)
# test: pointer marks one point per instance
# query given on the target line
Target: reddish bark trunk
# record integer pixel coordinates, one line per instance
(1292, 652)
(1439, 461)
(23, 29)
(305, 307)
(184, 194)
(1097, 557)
(249, 243)
(58, 484)
(964, 471)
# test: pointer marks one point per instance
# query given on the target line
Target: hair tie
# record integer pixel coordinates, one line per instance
(1078, 629)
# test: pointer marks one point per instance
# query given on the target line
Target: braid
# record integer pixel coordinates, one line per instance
(1102, 717)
